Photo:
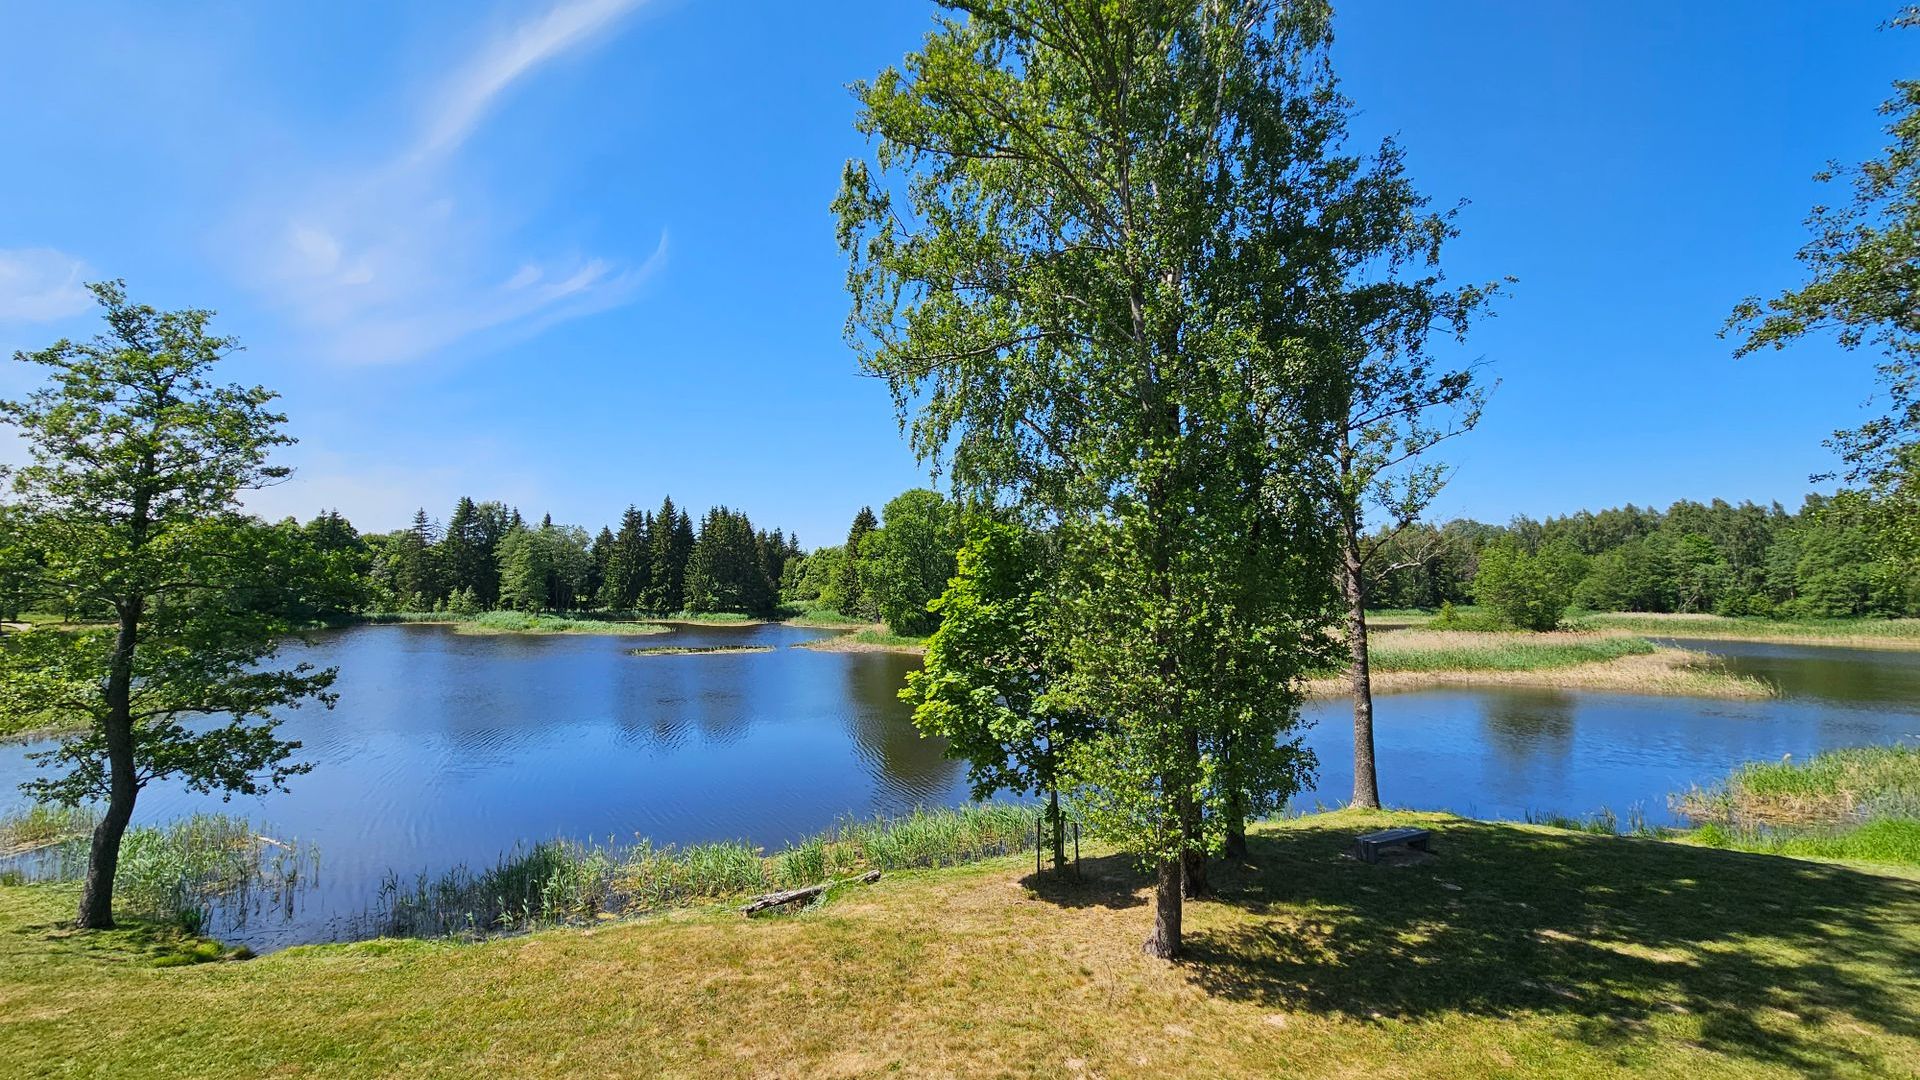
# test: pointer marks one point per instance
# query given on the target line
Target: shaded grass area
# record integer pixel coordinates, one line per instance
(563, 882)
(1516, 951)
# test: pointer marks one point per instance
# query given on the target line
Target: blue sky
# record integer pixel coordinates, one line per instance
(579, 254)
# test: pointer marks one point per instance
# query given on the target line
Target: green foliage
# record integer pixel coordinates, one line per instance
(847, 593)
(905, 564)
(732, 568)
(1863, 264)
(993, 671)
(131, 497)
(545, 568)
(1526, 590)
(1039, 266)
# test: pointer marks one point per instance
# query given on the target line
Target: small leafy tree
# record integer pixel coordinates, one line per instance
(991, 681)
(905, 564)
(137, 462)
(1527, 590)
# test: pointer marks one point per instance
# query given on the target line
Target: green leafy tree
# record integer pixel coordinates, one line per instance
(905, 564)
(545, 568)
(1863, 287)
(727, 571)
(988, 683)
(1527, 590)
(137, 461)
(1050, 255)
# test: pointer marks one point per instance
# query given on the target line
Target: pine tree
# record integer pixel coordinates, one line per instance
(847, 591)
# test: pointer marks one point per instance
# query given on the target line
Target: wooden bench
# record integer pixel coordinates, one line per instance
(1372, 846)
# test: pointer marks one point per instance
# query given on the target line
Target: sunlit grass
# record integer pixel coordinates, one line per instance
(1515, 950)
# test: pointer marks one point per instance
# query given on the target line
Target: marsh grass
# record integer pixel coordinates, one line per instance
(1870, 633)
(699, 650)
(563, 882)
(1832, 788)
(44, 825)
(1436, 650)
(1858, 804)
(208, 872)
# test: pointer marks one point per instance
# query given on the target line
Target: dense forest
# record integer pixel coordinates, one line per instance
(486, 556)
(1817, 562)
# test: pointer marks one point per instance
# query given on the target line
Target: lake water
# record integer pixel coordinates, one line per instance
(448, 748)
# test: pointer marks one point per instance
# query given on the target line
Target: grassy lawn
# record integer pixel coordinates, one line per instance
(1517, 951)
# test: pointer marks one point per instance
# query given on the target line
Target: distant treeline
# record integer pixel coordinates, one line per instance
(1817, 562)
(487, 557)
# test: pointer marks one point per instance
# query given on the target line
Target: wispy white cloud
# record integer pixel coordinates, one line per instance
(390, 263)
(41, 285)
(473, 90)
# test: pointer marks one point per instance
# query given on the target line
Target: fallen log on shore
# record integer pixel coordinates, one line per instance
(794, 896)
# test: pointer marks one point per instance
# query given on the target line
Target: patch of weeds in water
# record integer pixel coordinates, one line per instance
(200, 874)
(699, 650)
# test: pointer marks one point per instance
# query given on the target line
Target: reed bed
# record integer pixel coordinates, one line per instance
(563, 882)
(1833, 788)
(205, 873)
(1439, 650)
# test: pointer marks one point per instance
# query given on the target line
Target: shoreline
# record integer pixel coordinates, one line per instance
(1664, 672)
(1559, 924)
(860, 641)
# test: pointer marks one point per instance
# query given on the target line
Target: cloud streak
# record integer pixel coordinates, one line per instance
(41, 285)
(471, 93)
(389, 263)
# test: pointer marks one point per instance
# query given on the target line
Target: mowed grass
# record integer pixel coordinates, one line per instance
(1517, 951)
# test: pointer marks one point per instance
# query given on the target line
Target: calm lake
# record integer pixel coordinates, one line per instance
(448, 748)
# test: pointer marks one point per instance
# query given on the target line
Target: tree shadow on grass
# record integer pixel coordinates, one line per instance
(1109, 881)
(1610, 931)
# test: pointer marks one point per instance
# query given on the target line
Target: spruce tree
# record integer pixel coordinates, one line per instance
(847, 592)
